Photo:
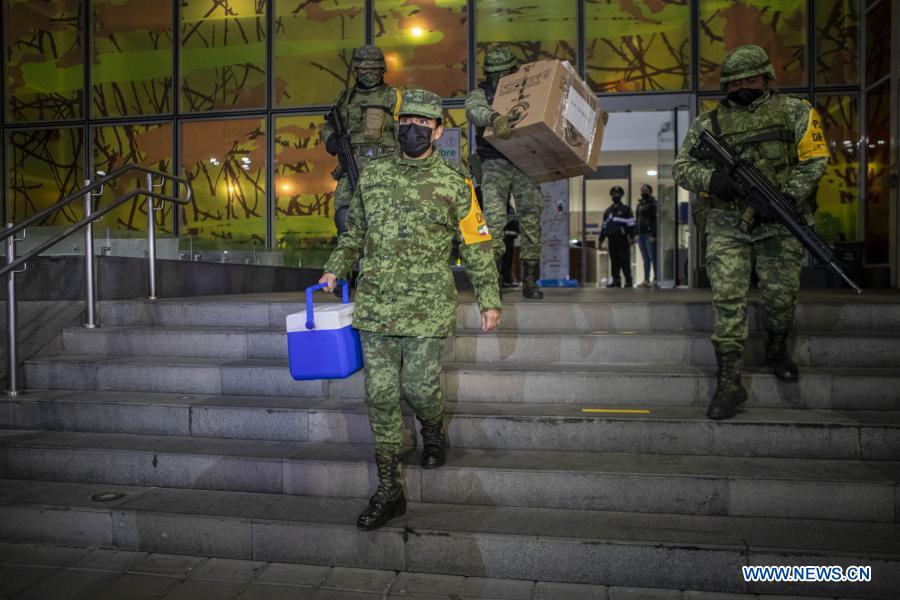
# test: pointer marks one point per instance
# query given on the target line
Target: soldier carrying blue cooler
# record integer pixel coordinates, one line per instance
(403, 217)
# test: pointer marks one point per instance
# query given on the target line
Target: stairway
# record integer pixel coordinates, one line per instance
(187, 410)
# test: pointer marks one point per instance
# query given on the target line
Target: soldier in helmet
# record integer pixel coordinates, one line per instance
(404, 215)
(368, 111)
(782, 136)
(499, 177)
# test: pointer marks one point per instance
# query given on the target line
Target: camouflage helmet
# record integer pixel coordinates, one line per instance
(499, 58)
(744, 62)
(421, 103)
(368, 57)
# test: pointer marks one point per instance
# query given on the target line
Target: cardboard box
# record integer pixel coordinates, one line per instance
(559, 128)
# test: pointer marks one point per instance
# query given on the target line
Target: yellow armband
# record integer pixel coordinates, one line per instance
(813, 144)
(474, 229)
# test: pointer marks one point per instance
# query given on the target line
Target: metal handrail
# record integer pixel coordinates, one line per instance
(90, 217)
(86, 220)
(63, 202)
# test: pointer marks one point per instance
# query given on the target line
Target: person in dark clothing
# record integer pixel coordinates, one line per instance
(618, 226)
(647, 211)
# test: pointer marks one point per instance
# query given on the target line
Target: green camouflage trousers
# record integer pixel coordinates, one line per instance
(395, 363)
(729, 260)
(499, 177)
(343, 193)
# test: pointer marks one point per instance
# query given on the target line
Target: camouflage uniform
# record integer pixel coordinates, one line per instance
(499, 176)
(402, 221)
(369, 116)
(782, 137)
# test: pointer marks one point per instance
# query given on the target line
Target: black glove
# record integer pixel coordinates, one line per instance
(722, 185)
(764, 214)
(332, 144)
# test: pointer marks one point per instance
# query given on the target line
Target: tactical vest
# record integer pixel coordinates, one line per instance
(484, 149)
(371, 118)
(764, 137)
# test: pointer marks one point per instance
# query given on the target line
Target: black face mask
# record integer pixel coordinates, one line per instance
(744, 97)
(367, 81)
(617, 199)
(646, 195)
(414, 139)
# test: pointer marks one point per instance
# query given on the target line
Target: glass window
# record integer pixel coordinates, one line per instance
(129, 33)
(225, 162)
(878, 158)
(223, 57)
(44, 165)
(779, 26)
(313, 45)
(643, 49)
(425, 43)
(146, 145)
(44, 59)
(878, 42)
(532, 30)
(838, 195)
(837, 26)
(304, 192)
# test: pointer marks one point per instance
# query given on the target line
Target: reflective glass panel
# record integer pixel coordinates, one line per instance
(223, 56)
(643, 47)
(838, 196)
(314, 42)
(837, 53)
(44, 59)
(425, 43)
(304, 192)
(146, 145)
(43, 166)
(878, 160)
(532, 30)
(129, 33)
(878, 42)
(779, 26)
(225, 162)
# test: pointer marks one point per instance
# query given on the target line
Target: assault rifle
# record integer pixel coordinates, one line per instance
(345, 152)
(762, 197)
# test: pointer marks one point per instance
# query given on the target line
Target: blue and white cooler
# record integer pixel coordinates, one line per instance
(322, 344)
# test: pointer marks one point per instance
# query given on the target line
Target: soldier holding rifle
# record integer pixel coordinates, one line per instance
(779, 145)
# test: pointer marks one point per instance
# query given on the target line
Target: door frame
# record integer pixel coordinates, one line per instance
(673, 103)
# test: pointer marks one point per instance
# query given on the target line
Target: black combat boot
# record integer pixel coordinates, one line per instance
(614, 284)
(778, 357)
(730, 393)
(389, 500)
(434, 452)
(531, 272)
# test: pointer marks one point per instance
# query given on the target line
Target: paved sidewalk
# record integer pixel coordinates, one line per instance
(30, 572)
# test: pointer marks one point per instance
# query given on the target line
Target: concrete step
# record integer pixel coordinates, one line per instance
(57, 572)
(671, 310)
(694, 485)
(594, 547)
(665, 430)
(560, 347)
(665, 384)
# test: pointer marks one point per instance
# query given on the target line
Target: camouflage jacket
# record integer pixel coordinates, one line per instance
(373, 133)
(402, 221)
(781, 135)
(479, 112)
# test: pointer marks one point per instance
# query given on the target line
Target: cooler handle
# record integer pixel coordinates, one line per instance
(345, 293)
